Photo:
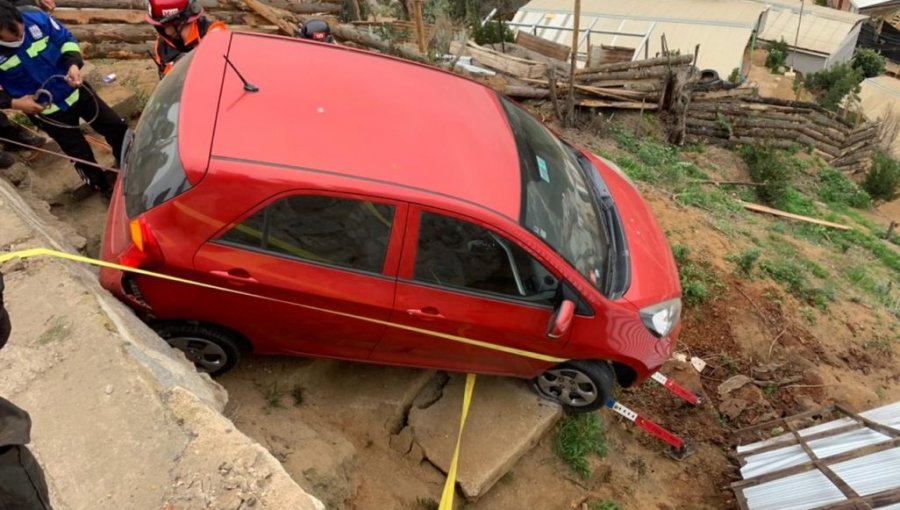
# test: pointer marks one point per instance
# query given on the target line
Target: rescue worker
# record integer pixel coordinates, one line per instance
(10, 130)
(315, 30)
(40, 72)
(22, 482)
(180, 25)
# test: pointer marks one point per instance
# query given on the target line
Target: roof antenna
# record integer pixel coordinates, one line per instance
(249, 87)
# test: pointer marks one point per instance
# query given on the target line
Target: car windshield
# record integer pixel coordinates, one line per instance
(153, 171)
(558, 205)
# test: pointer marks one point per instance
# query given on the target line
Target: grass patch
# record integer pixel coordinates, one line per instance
(57, 331)
(580, 436)
(746, 260)
(608, 504)
(837, 188)
(792, 274)
(809, 314)
(699, 283)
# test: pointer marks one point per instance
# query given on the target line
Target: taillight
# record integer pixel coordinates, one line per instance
(144, 251)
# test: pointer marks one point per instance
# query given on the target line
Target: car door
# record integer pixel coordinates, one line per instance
(327, 261)
(460, 278)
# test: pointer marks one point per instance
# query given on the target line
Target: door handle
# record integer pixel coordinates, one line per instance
(427, 313)
(235, 274)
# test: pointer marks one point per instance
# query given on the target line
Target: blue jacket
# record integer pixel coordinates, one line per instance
(47, 50)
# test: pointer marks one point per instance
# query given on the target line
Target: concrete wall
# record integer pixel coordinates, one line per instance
(804, 62)
(120, 420)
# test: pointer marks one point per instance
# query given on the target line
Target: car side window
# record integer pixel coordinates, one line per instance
(334, 231)
(456, 253)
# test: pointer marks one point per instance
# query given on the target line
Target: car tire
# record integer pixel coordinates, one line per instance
(579, 386)
(211, 349)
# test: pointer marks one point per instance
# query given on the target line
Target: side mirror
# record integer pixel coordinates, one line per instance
(561, 320)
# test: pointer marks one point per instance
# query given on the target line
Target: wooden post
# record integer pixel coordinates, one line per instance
(570, 102)
(420, 29)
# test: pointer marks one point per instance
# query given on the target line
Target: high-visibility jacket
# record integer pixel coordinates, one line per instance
(168, 51)
(48, 49)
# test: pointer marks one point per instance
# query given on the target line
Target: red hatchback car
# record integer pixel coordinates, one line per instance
(386, 212)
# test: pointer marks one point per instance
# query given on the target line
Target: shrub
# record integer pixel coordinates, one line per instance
(492, 32)
(830, 86)
(883, 179)
(767, 167)
(837, 188)
(868, 62)
(747, 259)
(778, 53)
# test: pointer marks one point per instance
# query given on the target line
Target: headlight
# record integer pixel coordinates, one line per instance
(661, 318)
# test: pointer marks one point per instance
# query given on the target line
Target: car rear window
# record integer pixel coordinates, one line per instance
(153, 171)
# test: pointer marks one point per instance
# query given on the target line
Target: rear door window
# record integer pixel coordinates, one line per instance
(457, 254)
(333, 231)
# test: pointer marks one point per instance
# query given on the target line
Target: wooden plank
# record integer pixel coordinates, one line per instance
(543, 46)
(878, 500)
(776, 212)
(508, 64)
(625, 105)
(874, 425)
(838, 482)
(811, 437)
(71, 16)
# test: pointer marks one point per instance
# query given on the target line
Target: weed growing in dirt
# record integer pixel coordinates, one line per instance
(770, 390)
(809, 314)
(606, 505)
(427, 503)
(699, 283)
(879, 392)
(58, 330)
(272, 394)
(639, 466)
(578, 437)
(746, 260)
(792, 275)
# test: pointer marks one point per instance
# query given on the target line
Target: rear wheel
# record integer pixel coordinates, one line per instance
(579, 386)
(211, 349)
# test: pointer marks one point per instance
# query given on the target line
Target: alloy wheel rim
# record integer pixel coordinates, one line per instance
(568, 386)
(206, 355)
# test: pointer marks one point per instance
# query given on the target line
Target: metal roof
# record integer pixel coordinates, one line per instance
(722, 28)
(822, 30)
(862, 451)
(880, 98)
(865, 4)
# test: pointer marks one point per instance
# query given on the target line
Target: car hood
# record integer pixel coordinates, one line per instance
(654, 275)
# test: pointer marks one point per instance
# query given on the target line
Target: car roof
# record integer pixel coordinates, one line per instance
(362, 115)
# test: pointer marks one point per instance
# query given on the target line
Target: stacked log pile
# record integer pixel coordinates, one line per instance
(116, 28)
(741, 117)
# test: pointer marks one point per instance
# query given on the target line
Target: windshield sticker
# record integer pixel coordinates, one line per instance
(542, 169)
(539, 231)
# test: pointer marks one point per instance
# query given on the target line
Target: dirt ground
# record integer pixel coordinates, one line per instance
(753, 327)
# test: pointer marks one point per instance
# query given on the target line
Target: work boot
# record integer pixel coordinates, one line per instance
(6, 160)
(26, 138)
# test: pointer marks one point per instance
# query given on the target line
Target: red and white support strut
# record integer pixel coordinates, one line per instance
(679, 390)
(679, 448)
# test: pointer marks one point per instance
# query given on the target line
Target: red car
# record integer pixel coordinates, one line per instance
(385, 212)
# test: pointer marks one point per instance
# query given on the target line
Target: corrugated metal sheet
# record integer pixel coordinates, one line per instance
(722, 28)
(822, 30)
(865, 4)
(868, 474)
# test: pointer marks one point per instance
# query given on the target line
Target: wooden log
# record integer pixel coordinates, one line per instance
(140, 5)
(719, 95)
(136, 33)
(852, 148)
(88, 16)
(117, 50)
(348, 33)
(525, 92)
(519, 67)
(783, 214)
(627, 105)
(543, 46)
(856, 157)
(656, 72)
(304, 8)
(625, 66)
(286, 26)
(801, 104)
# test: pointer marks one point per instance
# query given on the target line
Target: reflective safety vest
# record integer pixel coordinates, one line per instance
(168, 52)
(26, 69)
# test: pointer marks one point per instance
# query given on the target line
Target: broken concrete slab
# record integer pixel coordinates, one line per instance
(14, 229)
(383, 394)
(506, 419)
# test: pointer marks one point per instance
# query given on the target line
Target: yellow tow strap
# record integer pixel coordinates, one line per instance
(450, 484)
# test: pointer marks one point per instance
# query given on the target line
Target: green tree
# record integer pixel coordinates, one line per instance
(868, 62)
(830, 86)
(778, 53)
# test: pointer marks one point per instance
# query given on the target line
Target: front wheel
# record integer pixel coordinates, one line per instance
(579, 386)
